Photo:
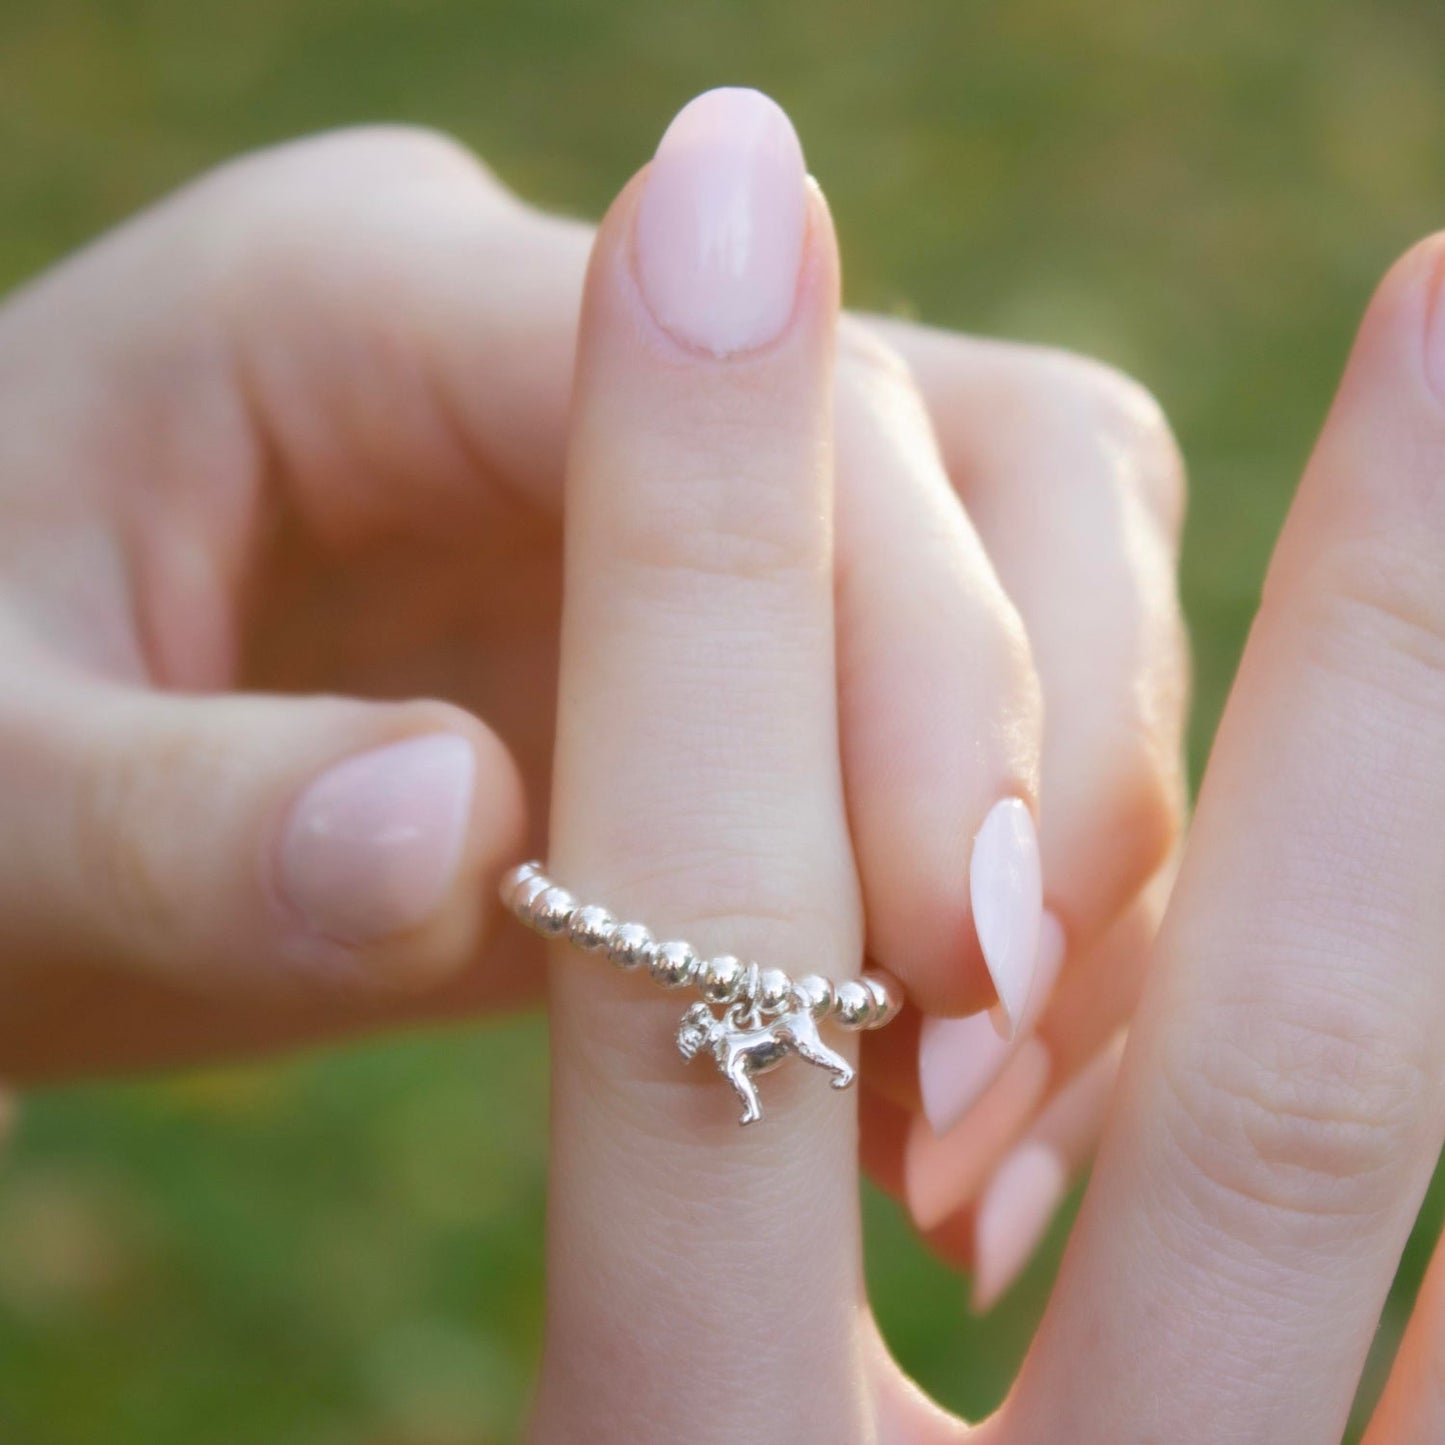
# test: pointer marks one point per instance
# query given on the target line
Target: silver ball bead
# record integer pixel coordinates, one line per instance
(525, 896)
(674, 964)
(591, 927)
(886, 999)
(552, 912)
(513, 879)
(720, 978)
(774, 986)
(854, 1004)
(630, 945)
(813, 994)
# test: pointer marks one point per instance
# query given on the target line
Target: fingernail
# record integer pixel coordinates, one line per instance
(373, 845)
(941, 1174)
(1006, 887)
(721, 222)
(959, 1058)
(1013, 1216)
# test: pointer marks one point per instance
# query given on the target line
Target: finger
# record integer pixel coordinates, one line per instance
(1281, 1104)
(1072, 1019)
(279, 342)
(1083, 1020)
(996, 1234)
(958, 1058)
(943, 1171)
(698, 789)
(242, 843)
(1019, 1202)
(326, 246)
(939, 706)
(883, 1129)
(1070, 474)
(1411, 1410)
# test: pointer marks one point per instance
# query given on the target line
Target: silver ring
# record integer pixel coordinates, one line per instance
(767, 1016)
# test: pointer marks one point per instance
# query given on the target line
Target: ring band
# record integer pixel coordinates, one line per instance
(767, 1017)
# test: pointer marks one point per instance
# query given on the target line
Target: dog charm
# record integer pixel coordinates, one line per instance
(748, 1040)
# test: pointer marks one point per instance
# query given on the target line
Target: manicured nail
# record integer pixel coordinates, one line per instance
(942, 1174)
(959, 1058)
(721, 223)
(373, 844)
(1006, 887)
(1013, 1216)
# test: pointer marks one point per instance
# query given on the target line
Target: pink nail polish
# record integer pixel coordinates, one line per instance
(942, 1174)
(1006, 888)
(373, 845)
(721, 223)
(1013, 1216)
(959, 1058)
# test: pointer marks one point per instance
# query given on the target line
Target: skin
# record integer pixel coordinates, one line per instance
(223, 419)
(282, 470)
(1280, 1103)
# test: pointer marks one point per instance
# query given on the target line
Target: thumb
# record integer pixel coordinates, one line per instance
(246, 840)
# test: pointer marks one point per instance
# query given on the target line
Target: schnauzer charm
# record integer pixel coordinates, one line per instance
(746, 1041)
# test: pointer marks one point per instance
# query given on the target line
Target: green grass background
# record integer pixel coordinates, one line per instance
(348, 1249)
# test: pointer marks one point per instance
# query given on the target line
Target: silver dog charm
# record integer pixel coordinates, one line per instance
(746, 1041)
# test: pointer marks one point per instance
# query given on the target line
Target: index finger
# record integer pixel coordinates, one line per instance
(1283, 1097)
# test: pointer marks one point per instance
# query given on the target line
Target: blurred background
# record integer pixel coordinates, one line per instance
(347, 1250)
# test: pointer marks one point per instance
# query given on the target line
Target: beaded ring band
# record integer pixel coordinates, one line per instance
(767, 1016)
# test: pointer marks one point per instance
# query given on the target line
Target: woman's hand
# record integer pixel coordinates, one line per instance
(280, 465)
(1282, 1099)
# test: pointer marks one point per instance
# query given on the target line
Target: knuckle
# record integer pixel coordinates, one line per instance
(1126, 421)
(1372, 610)
(1144, 808)
(1311, 1113)
(863, 351)
(115, 819)
(722, 514)
(370, 157)
(1135, 794)
(340, 208)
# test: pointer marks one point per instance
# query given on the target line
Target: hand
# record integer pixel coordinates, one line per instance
(1282, 1099)
(294, 440)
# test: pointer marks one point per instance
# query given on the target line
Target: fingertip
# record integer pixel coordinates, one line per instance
(1405, 320)
(385, 854)
(1432, 262)
(1006, 893)
(1012, 1218)
(942, 1173)
(1358, 561)
(959, 1058)
(723, 242)
(719, 229)
(1395, 377)
(375, 842)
